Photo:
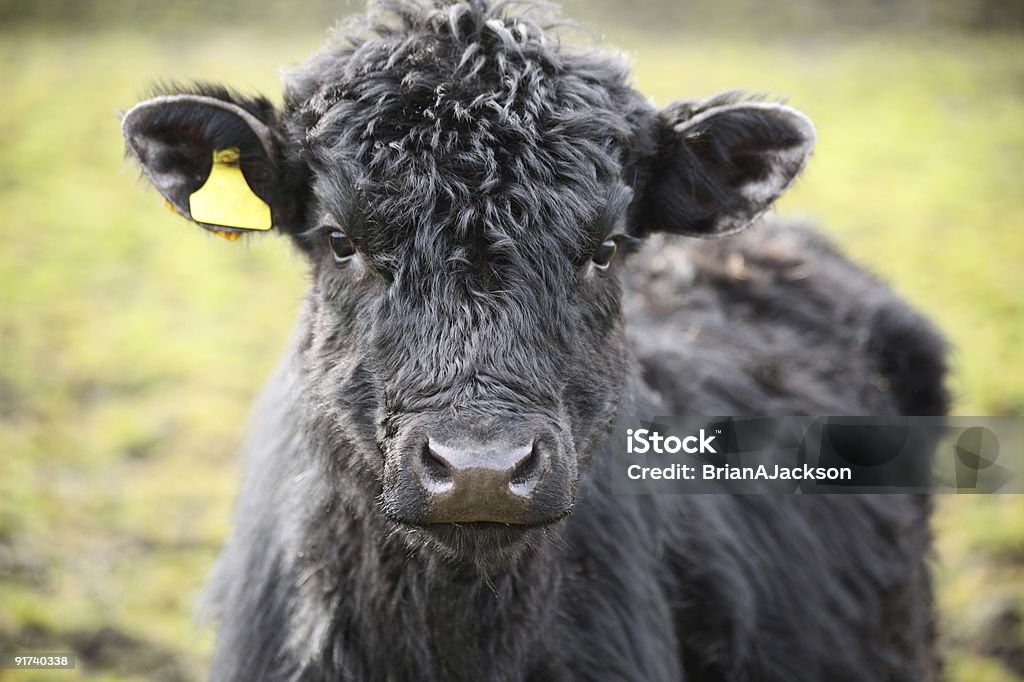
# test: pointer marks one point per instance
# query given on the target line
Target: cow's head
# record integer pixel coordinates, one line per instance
(462, 187)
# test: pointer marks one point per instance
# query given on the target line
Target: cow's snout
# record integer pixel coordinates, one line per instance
(494, 482)
(484, 473)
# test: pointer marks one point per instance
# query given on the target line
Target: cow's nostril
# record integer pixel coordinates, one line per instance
(436, 474)
(525, 473)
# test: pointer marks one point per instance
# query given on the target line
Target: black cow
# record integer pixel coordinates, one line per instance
(427, 489)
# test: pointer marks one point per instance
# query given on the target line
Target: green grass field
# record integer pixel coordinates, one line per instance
(131, 344)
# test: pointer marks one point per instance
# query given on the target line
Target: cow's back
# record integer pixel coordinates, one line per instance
(775, 321)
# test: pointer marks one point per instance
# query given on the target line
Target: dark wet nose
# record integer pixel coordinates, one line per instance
(493, 482)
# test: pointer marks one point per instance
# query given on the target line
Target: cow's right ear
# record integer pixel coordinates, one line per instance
(216, 158)
(721, 163)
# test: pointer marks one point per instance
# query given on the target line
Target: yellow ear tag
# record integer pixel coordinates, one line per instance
(226, 199)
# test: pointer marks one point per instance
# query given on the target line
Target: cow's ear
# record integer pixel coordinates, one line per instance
(216, 158)
(719, 166)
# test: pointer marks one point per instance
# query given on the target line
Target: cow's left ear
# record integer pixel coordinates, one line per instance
(720, 166)
(215, 157)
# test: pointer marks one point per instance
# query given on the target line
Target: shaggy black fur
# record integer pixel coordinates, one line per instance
(477, 164)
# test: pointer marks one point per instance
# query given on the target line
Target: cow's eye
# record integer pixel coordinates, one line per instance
(342, 246)
(604, 254)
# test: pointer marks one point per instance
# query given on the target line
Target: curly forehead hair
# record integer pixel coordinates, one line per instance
(463, 117)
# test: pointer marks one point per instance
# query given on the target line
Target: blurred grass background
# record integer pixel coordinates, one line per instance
(132, 344)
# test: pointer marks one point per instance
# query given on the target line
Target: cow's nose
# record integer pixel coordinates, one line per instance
(492, 482)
